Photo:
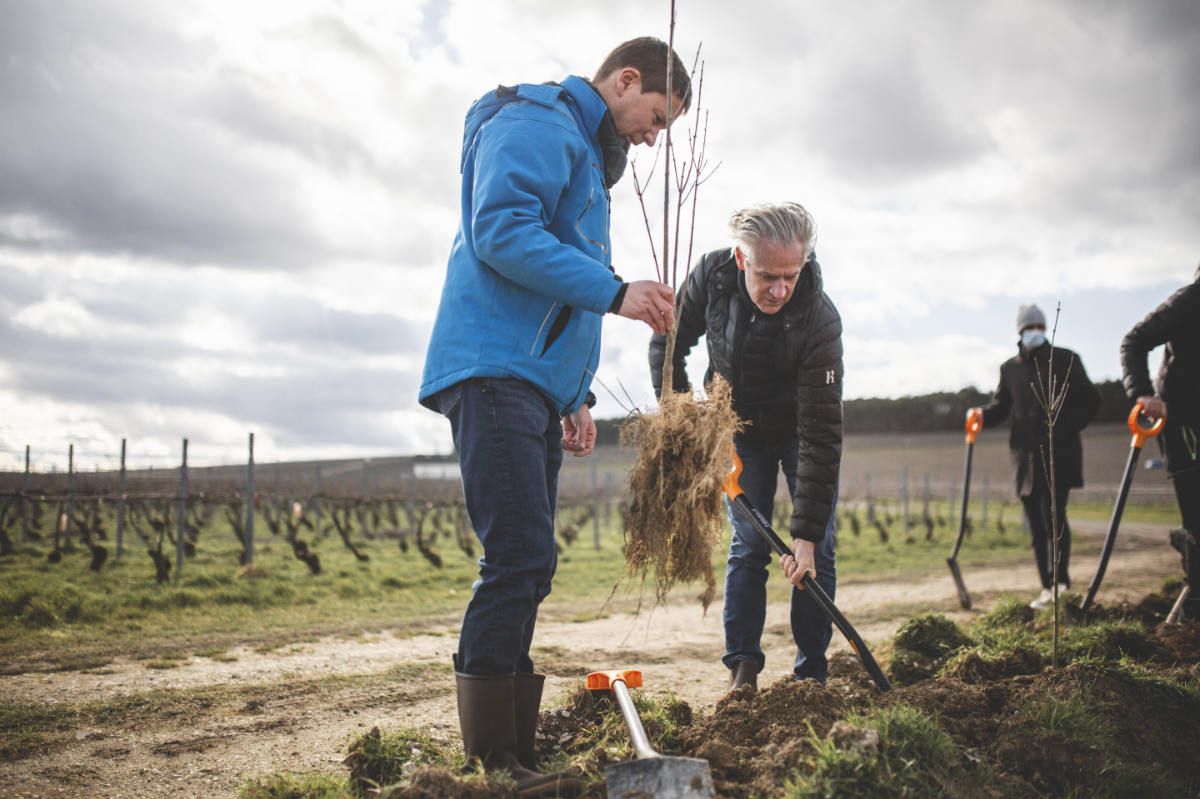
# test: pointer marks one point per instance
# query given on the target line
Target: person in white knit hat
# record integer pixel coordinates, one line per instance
(1017, 398)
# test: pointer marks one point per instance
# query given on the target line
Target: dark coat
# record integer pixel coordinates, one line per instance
(1028, 440)
(785, 370)
(1175, 323)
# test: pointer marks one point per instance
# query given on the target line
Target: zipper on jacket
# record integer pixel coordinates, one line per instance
(556, 329)
(591, 196)
(741, 331)
(538, 337)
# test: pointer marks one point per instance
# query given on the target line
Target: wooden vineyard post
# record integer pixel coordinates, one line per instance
(70, 493)
(249, 542)
(25, 500)
(181, 513)
(121, 504)
(595, 506)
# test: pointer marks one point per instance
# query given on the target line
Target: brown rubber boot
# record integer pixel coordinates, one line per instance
(487, 717)
(744, 673)
(527, 692)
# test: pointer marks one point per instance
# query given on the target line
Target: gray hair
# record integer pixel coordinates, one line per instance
(779, 223)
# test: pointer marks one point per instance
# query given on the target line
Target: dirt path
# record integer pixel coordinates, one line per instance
(200, 728)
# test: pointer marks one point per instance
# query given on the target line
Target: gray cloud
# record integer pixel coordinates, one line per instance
(880, 119)
(93, 147)
(119, 136)
(1020, 143)
(322, 400)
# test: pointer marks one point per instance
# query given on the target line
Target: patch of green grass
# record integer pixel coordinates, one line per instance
(599, 736)
(1092, 732)
(161, 664)
(296, 786)
(922, 646)
(377, 759)
(1110, 639)
(218, 653)
(1070, 717)
(29, 729)
(911, 758)
(1011, 626)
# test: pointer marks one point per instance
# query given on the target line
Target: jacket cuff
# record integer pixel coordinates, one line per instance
(799, 530)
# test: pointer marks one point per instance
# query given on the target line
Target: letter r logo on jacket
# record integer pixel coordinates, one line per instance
(830, 376)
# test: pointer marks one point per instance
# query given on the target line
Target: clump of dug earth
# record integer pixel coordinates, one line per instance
(677, 515)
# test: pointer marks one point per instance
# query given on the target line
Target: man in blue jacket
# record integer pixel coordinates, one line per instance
(516, 344)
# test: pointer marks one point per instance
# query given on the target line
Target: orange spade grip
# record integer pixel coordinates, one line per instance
(732, 489)
(974, 424)
(603, 680)
(1140, 431)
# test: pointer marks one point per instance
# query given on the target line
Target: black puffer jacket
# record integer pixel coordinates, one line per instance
(1175, 323)
(785, 370)
(1015, 397)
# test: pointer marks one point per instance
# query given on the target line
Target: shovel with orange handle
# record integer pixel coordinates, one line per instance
(973, 425)
(650, 774)
(739, 500)
(1143, 428)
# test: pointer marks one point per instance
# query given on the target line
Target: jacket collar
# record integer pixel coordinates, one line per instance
(598, 123)
(588, 102)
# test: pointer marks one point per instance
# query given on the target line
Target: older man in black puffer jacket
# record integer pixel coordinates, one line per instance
(776, 337)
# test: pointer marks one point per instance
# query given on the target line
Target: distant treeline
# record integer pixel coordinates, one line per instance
(925, 413)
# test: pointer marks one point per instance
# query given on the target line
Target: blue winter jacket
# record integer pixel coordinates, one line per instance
(529, 275)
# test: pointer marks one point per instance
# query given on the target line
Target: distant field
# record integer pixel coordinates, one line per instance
(881, 460)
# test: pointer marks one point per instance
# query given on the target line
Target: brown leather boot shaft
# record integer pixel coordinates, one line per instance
(485, 716)
(528, 696)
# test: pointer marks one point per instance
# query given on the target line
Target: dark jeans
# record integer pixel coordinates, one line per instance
(1037, 512)
(509, 440)
(1187, 491)
(749, 558)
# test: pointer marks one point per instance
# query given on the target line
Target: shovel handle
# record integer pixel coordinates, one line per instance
(1142, 426)
(619, 682)
(731, 486)
(974, 424)
(603, 680)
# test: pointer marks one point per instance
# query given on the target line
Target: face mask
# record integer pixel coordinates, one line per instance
(1032, 339)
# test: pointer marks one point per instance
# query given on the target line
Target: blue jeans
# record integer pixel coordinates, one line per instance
(509, 441)
(749, 558)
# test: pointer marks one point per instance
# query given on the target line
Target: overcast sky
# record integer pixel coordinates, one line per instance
(223, 217)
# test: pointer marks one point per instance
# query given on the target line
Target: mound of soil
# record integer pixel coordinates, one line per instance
(1180, 643)
(752, 738)
(976, 668)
